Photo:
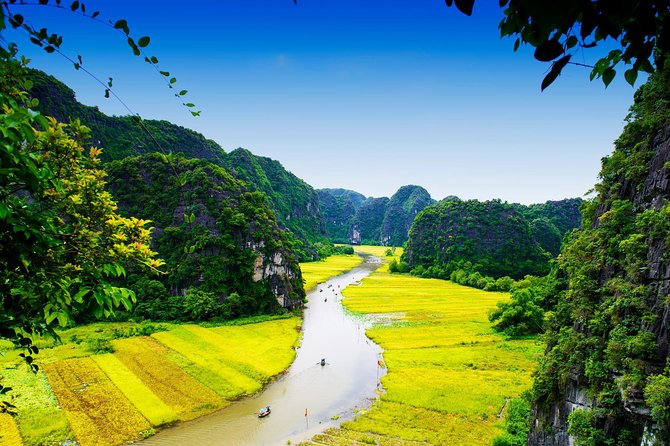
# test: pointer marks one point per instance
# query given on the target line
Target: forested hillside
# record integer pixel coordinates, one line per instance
(492, 237)
(606, 378)
(352, 218)
(295, 202)
(225, 255)
(339, 208)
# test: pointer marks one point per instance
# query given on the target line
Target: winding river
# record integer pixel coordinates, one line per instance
(309, 398)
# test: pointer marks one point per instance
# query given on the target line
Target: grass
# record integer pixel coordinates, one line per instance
(40, 417)
(448, 372)
(318, 272)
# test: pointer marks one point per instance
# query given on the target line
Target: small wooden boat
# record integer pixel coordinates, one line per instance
(264, 412)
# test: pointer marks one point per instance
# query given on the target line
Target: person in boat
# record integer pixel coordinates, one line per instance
(323, 362)
(264, 411)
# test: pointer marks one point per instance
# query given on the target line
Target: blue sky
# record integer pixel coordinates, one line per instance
(366, 95)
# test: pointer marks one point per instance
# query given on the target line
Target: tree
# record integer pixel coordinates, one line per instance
(62, 244)
(559, 29)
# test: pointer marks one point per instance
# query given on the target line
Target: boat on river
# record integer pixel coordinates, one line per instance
(264, 412)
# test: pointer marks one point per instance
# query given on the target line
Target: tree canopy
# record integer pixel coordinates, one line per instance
(559, 30)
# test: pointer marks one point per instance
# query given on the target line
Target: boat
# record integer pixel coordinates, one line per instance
(264, 412)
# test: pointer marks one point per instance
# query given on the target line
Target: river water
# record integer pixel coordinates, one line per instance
(309, 398)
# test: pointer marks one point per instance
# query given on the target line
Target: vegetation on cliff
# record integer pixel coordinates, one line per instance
(609, 320)
(225, 255)
(491, 235)
(294, 202)
(352, 218)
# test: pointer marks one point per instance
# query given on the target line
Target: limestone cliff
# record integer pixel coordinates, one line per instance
(611, 336)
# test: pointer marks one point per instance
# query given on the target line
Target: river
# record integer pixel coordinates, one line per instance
(309, 398)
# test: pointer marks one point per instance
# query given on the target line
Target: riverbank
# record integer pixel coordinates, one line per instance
(109, 383)
(449, 374)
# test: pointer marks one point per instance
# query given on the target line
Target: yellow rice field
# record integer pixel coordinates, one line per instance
(314, 273)
(9, 433)
(148, 382)
(98, 412)
(448, 372)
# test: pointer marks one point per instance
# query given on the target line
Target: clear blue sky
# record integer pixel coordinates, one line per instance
(366, 95)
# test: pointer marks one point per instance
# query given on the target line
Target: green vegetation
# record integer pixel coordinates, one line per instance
(490, 235)
(609, 296)
(62, 243)
(486, 245)
(339, 207)
(516, 423)
(294, 202)
(401, 209)
(352, 218)
(213, 234)
(448, 372)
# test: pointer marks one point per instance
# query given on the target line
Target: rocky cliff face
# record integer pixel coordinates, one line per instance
(615, 335)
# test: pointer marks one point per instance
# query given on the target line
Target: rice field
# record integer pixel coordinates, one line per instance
(448, 375)
(318, 272)
(145, 383)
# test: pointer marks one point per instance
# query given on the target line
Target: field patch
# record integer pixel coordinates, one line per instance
(232, 379)
(146, 401)
(99, 414)
(320, 271)
(40, 419)
(9, 433)
(151, 362)
(449, 373)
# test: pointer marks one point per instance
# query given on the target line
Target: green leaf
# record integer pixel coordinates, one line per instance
(120, 24)
(631, 76)
(79, 297)
(95, 14)
(74, 6)
(154, 59)
(183, 92)
(173, 80)
(465, 6)
(4, 211)
(548, 51)
(555, 71)
(516, 44)
(143, 42)
(62, 318)
(571, 42)
(608, 76)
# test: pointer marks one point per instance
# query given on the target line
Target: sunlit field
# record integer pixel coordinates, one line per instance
(145, 382)
(317, 272)
(448, 375)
